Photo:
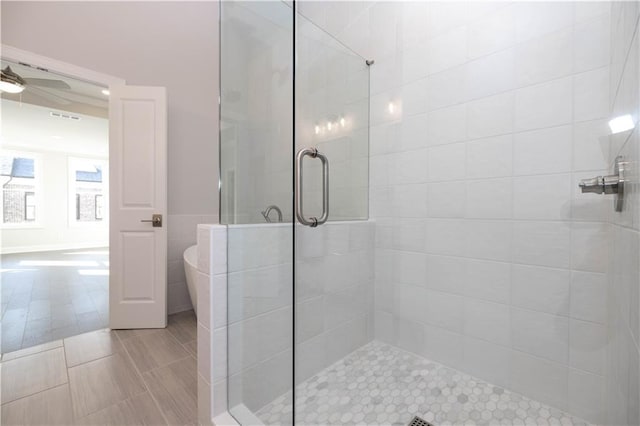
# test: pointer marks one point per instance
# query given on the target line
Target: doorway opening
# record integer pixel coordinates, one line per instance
(54, 215)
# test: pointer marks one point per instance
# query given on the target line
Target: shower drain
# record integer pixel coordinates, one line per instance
(417, 421)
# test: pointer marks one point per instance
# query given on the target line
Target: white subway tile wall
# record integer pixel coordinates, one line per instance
(334, 296)
(487, 257)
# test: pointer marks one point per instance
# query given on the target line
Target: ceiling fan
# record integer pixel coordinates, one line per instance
(11, 82)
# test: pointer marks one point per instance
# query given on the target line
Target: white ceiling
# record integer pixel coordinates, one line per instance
(31, 127)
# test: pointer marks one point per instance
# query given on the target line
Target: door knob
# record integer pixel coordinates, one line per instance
(156, 220)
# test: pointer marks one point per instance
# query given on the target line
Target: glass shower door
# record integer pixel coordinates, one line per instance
(333, 261)
(285, 327)
(256, 147)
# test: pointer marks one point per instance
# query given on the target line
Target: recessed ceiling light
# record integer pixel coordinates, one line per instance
(105, 92)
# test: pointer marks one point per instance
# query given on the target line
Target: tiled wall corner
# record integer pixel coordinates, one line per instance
(212, 305)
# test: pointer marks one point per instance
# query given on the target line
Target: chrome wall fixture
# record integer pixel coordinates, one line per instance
(312, 221)
(268, 210)
(612, 184)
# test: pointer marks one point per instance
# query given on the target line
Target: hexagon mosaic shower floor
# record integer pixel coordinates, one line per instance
(382, 385)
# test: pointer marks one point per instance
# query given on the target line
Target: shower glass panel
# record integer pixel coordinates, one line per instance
(256, 73)
(332, 115)
(334, 262)
(256, 148)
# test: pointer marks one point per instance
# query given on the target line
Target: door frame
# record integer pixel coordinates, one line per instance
(14, 54)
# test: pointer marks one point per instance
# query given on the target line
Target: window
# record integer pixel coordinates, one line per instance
(87, 189)
(20, 188)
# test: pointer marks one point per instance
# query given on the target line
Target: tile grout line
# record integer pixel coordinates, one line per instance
(144, 384)
(90, 361)
(71, 401)
(87, 362)
(49, 388)
(493, 342)
(33, 283)
(128, 357)
(33, 394)
(26, 355)
(189, 354)
(126, 354)
(184, 345)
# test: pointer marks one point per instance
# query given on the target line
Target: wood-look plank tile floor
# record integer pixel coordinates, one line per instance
(122, 377)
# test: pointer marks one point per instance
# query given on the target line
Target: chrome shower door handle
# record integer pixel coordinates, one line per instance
(312, 221)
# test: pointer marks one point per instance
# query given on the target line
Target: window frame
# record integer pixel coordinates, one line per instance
(38, 191)
(73, 162)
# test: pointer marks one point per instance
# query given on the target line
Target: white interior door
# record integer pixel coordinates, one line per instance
(138, 247)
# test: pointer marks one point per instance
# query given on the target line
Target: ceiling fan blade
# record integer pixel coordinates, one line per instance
(47, 82)
(87, 100)
(46, 95)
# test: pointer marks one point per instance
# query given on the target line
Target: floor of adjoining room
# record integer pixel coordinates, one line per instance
(122, 377)
(51, 295)
(382, 385)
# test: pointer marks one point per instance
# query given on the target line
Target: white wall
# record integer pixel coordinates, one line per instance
(623, 279)
(171, 44)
